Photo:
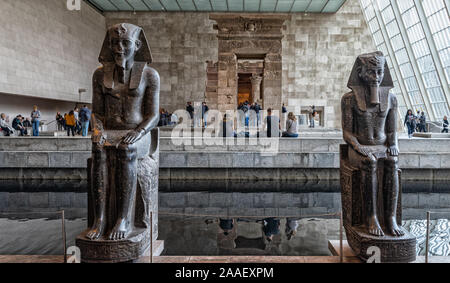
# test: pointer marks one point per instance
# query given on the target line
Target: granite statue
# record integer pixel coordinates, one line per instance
(370, 174)
(123, 170)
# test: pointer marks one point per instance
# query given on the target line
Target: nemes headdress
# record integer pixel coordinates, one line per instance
(126, 31)
(376, 59)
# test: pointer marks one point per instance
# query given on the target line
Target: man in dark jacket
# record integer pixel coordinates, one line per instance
(255, 107)
(18, 126)
(422, 123)
(190, 110)
(205, 110)
(445, 125)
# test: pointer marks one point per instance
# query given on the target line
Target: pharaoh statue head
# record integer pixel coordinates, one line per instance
(371, 70)
(124, 44)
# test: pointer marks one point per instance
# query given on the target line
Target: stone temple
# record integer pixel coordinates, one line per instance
(230, 131)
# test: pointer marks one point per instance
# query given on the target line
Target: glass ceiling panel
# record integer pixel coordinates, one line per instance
(415, 50)
(186, 5)
(246, 6)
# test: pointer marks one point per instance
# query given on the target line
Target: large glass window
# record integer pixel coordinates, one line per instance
(411, 50)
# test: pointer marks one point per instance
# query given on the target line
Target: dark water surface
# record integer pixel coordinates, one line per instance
(215, 217)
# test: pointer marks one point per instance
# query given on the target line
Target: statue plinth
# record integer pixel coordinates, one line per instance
(107, 251)
(393, 248)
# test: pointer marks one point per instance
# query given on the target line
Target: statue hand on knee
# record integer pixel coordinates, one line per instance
(363, 151)
(133, 136)
(393, 151)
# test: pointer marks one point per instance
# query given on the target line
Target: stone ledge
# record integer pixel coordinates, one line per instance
(287, 145)
(43, 159)
(321, 153)
(321, 160)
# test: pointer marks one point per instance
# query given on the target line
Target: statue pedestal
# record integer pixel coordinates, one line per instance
(393, 249)
(106, 251)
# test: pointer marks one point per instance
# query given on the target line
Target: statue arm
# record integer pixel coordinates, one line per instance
(98, 108)
(98, 103)
(151, 102)
(347, 125)
(150, 108)
(391, 128)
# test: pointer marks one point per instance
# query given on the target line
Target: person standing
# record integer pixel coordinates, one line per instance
(227, 128)
(59, 121)
(85, 117)
(76, 112)
(257, 110)
(312, 117)
(445, 125)
(283, 116)
(35, 120)
(273, 125)
(190, 110)
(410, 122)
(205, 110)
(291, 126)
(417, 129)
(71, 123)
(422, 123)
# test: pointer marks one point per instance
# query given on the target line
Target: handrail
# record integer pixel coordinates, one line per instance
(63, 224)
(427, 237)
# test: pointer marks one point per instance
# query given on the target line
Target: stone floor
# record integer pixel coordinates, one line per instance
(219, 259)
(196, 259)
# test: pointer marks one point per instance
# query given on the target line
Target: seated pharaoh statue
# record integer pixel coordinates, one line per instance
(370, 175)
(123, 170)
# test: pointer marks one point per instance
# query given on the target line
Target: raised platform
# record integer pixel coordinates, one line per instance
(310, 156)
(432, 135)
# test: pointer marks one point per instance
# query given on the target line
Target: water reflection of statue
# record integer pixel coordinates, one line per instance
(125, 110)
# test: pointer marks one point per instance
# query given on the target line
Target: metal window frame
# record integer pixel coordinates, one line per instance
(429, 40)
(434, 51)
(419, 78)
(391, 52)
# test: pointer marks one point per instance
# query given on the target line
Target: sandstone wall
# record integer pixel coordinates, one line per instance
(318, 53)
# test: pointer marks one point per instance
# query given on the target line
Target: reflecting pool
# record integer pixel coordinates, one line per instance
(215, 218)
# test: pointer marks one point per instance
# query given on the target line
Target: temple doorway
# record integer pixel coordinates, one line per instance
(250, 76)
(244, 89)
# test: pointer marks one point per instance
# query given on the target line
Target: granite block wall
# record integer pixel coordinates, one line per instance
(48, 51)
